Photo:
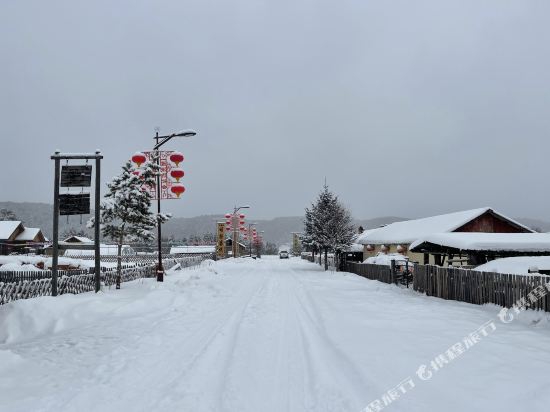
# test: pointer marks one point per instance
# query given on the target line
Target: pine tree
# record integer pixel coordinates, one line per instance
(328, 224)
(124, 213)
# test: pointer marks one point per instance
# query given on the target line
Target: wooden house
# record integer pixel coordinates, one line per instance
(14, 237)
(397, 237)
(476, 248)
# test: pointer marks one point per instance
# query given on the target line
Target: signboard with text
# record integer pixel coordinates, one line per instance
(166, 181)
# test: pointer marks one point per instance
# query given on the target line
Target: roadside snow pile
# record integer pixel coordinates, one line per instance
(385, 259)
(27, 319)
(19, 267)
(519, 265)
(36, 263)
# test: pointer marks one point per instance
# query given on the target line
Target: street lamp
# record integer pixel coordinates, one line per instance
(250, 236)
(259, 243)
(236, 229)
(161, 140)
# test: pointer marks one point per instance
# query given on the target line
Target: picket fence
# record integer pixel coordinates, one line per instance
(463, 285)
(25, 285)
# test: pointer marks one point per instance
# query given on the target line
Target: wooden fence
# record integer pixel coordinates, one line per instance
(372, 272)
(320, 259)
(478, 287)
(462, 285)
(25, 286)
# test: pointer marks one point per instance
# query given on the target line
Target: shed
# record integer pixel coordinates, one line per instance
(192, 250)
(478, 248)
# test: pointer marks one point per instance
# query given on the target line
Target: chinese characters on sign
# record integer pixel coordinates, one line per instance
(170, 174)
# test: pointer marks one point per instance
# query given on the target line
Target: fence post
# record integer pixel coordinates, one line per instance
(392, 271)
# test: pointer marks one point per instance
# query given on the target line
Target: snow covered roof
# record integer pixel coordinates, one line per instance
(104, 250)
(78, 239)
(355, 247)
(174, 250)
(29, 234)
(7, 228)
(410, 230)
(497, 242)
(516, 265)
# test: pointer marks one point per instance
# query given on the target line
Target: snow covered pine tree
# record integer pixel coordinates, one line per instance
(328, 224)
(125, 214)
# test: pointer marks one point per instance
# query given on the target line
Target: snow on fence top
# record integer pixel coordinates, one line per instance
(408, 231)
(175, 250)
(495, 242)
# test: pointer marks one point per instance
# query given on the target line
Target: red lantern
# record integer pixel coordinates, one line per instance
(241, 222)
(136, 172)
(228, 216)
(177, 190)
(177, 174)
(241, 229)
(241, 216)
(176, 158)
(228, 222)
(139, 158)
(228, 229)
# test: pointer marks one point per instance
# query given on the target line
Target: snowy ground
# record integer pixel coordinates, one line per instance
(267, 335)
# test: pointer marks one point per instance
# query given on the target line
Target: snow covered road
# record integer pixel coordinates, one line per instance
(265, 335)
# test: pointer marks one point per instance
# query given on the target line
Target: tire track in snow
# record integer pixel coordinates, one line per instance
(343, 387)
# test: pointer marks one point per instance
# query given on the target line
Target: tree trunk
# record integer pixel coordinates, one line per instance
(326, 258)
(119, 263)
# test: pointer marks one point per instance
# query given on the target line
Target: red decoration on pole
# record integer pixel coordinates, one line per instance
(241, 216)
(228, 216)
(177, 190)
(139, 158)
(176, 158)
(177, 174)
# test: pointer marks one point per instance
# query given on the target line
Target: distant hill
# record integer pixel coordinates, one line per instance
(41, 215)
(277, 230)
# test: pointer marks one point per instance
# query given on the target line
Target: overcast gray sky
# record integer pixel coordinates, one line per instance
(409, 108)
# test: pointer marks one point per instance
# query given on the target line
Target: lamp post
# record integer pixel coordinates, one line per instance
(250, 236)
(161, 140)
(236, 228)
(259, 243)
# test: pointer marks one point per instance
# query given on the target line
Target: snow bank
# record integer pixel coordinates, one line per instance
(29, 263)
(26, 319)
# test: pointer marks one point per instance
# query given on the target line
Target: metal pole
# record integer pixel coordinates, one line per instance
(235, 222)
(96, 226)
(160, 269)
(55, 250)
